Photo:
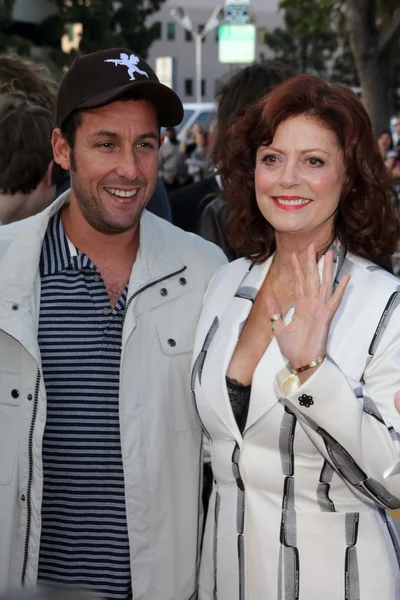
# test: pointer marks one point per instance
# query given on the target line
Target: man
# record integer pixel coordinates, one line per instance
(396, 136)
(27, 182)
(171, 162)
(24, 77)
(99, 441)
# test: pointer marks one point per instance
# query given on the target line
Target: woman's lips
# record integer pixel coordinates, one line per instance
(290, 202)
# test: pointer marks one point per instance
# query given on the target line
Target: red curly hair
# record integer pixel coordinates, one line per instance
(365, 222)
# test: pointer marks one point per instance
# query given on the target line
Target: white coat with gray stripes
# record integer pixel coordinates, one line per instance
(300, 503)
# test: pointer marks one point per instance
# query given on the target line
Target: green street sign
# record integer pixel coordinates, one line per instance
(237, 43)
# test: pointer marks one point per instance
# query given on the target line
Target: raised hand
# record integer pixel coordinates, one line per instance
(304, 339)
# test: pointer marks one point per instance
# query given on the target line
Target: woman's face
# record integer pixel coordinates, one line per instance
(299, 179)
(200, 138)
(384, 142)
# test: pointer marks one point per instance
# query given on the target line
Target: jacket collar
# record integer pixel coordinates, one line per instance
(230, 325)
(19, 266)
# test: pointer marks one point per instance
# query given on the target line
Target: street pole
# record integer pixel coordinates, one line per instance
(180, 15)
(199, 41)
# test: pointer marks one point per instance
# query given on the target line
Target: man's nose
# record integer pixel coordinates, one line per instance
(128, 165)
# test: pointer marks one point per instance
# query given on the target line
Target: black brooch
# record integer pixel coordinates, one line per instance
(306, 401)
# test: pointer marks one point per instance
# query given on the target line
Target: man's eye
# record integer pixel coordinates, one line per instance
(146, 145)
(106, 145)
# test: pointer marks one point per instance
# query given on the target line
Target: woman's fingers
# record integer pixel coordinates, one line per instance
(312, 282)
(274, 314)
(336, 298)
(326, 289)
(299, 280)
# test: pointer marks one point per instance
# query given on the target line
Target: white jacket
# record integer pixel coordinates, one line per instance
(298, 508)
(160, 431)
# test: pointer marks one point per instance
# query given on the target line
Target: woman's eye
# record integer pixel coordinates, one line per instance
(315, 162)
(269, 159)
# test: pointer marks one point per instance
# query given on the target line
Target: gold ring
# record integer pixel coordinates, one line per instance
(275, 317)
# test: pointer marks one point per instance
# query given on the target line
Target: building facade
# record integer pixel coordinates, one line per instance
(177, 43)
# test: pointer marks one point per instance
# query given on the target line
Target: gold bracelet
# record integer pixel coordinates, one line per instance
(310, 365)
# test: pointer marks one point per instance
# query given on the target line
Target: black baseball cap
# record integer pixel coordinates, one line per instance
(101, 77)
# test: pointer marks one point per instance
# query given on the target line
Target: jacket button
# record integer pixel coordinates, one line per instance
(306, 401)
(14, 393)
(164, 292)
(171, 342)
(30, 397)
(182, 281)
(15, 307)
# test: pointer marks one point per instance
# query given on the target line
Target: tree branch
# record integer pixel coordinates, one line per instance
(388, 33)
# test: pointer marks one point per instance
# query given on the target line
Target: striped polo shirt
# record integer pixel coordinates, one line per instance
(84, 540)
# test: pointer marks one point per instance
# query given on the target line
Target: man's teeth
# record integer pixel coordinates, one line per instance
(122, 193)
(292, 202)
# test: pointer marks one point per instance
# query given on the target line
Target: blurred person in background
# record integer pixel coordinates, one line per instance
(171, 162)
(296, 360)
(188, 141)
(387, 150)
(27, 176)
(396, 135)
(199, 160)
(22, 75)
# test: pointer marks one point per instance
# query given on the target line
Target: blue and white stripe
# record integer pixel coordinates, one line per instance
(84, 540)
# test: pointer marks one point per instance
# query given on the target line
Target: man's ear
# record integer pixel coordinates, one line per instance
(61, 150)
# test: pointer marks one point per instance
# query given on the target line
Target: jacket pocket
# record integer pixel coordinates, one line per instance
(9, 412)
(177, 346)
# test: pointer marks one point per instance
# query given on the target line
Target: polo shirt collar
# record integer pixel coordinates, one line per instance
(58, 252)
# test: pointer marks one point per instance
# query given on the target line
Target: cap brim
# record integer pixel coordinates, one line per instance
(167, 103)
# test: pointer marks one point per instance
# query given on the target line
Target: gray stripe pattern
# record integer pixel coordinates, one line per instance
(390, 307)
(352, 582)
(239, 519)
(289, 565)
(325, 479)
(343, 265)
(392, 533)
(374, 268)
(369, 406)
(393, 434)
(215, 545)
(247, 293)
(349, 470)
(197, 370)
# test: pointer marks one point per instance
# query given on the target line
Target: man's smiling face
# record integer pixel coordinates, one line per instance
(114, 164)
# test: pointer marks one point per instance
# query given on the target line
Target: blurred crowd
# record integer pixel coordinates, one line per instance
(185, 161)
(389, 145)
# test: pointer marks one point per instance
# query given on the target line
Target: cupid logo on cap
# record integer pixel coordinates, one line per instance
(129, 62)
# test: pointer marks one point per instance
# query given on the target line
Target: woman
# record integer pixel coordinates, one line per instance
(199, 159)
(297, 363)
(388, 153)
